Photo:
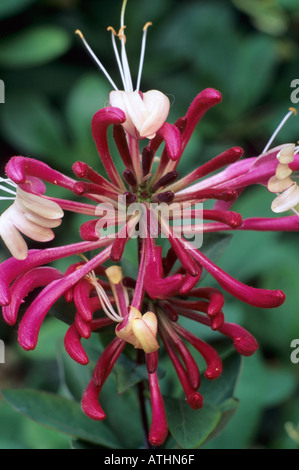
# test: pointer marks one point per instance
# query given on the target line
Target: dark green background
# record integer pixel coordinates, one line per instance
(249, 50)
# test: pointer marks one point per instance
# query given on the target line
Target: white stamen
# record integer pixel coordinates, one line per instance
(145, 28)
(8, 181)
(7, 190)
(99, 64)
(121, 58)
(105, 302)
(291, 111)
(124, 58)
(120, 67)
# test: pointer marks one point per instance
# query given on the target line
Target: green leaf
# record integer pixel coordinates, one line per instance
(89, 94)
(267, 16)
(255, 53)
(192, 428)
(51, 331)
(35, 46)
(128, 373)
(13, 7)
(122, 414)
(62, 414)
(189, 427)
(77, 444)
(214, 245)
(32, 126)
(216, 392)
(74, 376)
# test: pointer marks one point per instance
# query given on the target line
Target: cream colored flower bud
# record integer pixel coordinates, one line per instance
(286, 200)
(277, 185)
(139, 330)
(145, 113)
(32, 215)
(286, 154)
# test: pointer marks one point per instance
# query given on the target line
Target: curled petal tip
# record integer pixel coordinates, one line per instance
(280, 297)
(246, 345)
(195, 400)
(212, 94)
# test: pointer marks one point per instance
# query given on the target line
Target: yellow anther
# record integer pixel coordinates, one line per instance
(79, 33)
(110, 28)
(293, 110)
(114, 274)
(147, 25)
(121, 35)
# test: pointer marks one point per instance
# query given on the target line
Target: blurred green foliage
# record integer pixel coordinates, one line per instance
(249, 51)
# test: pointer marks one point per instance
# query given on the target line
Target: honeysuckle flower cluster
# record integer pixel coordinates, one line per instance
(144, 312)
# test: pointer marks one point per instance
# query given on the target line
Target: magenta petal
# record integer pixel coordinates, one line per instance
(193, 398)
(82, 326)
(120, 139)
(27, 282)
(107, 360)
(18, 168)
(140, 283)
(152, 360)
(199, 106)
(90, 402)
(12, 268)
(99, 126)
(233, 219)
(74, 347)
(34, 316)
(211, 357)
(191, 367)
(172, 137)
(262, 298)
(185, 256)
(81, 294)
(244, 342)
(156, 285)
(190, 282)
(88, 230)
(158, 430)
(215, 297)
(282, 224)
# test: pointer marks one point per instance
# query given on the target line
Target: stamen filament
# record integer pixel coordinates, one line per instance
(105, 302)
(145, 28)
(120, 67)
(291, 111)
(124, 59)
(8, 181)
(99, 64)
(7, 190)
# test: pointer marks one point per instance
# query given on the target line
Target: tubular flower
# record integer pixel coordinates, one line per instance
(31, 214)
(282, 182)
(203, 305)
